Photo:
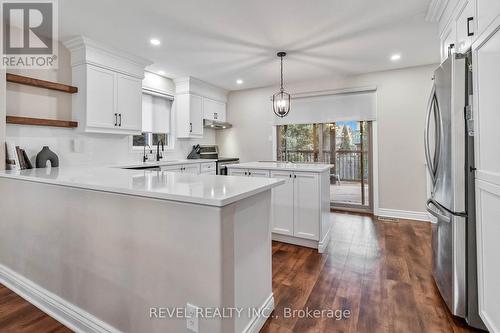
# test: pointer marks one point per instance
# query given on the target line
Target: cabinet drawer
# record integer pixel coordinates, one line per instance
(206, 167)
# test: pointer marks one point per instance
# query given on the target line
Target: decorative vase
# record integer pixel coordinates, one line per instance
(46, 155)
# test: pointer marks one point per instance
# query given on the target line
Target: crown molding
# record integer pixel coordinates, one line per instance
(436, 10)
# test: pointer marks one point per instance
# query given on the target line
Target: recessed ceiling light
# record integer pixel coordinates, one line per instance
(239, 81)
(161, 72)
(396, 57)
(155, 41)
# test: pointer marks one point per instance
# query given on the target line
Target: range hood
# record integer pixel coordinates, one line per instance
(216, 124)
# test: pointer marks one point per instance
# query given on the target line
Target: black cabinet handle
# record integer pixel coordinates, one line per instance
(249, 173)
(469, 20)
(215, 115)
(294, 176)
(116, 119)
(190, 127)
(290, 175)
(120, 124)
(246, 173)
(450, 48)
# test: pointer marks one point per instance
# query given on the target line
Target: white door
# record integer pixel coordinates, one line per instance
(100, 106)
(238, 172)
(258, 173)
(306, 205)
(129, 102)
(193, 169)
(282, 204)
(195, 115)
(487, 136)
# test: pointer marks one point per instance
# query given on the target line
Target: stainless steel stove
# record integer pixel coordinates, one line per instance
(212, 152)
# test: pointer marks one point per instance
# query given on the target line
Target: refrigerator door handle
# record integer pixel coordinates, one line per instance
(430, 162)
(434, 213)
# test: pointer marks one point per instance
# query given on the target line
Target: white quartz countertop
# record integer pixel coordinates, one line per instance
(282, 166)
(153, 164)
(197, 189)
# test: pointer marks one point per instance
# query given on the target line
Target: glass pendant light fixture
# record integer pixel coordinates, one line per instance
(281, 100)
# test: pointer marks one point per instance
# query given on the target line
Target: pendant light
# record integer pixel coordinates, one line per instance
(281, 100)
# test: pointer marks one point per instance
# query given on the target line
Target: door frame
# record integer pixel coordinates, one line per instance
(374, 209)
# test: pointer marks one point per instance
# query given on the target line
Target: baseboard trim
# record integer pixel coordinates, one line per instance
(258, 321)
(404, 214)
(296, 241)
(323, 244)
(61, 310)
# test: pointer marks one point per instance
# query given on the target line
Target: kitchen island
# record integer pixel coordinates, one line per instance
(109, 250)
(300, 207)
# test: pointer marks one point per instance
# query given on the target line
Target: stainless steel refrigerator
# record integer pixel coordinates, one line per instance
(449, 142)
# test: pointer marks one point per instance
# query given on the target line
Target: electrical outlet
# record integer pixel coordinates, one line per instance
(192, 318)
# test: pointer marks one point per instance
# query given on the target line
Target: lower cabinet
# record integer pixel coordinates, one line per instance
(249, 173)
(300, 209)
(296, 205)
(193, 169)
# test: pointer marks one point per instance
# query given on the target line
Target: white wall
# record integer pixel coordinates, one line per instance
(401, 103)
(72, 146)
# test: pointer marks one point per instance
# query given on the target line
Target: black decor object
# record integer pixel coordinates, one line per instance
(46, 155)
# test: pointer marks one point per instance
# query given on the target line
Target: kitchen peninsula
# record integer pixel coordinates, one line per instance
(102, 246)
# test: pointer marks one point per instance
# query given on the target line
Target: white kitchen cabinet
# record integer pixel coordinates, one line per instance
(306, 205)
(208, 168)
(189, 111)
(99, 87)
(192, 168)
(486, 65)
(300, 208)
(214, 110)
(109, 98)
(129, 102)
(250, 173)
(283, 204)
(465, 26)
(487, 11)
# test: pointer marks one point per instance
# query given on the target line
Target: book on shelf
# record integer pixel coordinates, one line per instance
(12, 159)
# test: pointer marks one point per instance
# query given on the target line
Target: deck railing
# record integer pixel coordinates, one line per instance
(347, 162)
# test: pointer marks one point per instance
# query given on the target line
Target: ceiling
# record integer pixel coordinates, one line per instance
(220, 41)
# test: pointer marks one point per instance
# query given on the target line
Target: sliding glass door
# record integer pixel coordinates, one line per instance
(346, 145)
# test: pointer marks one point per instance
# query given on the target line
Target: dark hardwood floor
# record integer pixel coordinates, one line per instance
(379, 271)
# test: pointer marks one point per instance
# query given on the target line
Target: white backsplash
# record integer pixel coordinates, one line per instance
(84, 149)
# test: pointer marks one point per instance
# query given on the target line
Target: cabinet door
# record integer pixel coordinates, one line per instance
(282, 204)
(214, 110)
(487, 158)
(195, 115)
(100, 107)
(129, 103)
(258, 173)
(193, 169)
(238, 172)
(306, 205)
(449, 39)
(487, 11)
(465, 24)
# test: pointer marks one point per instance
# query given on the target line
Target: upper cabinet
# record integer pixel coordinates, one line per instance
(462, 22)
(214, 110)
(110, 88)
(196, 100)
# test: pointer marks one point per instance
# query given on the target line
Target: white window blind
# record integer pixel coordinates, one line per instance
(335, 107)
(156, 113)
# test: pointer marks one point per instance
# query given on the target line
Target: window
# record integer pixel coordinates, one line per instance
(150, 139)
(156, 119)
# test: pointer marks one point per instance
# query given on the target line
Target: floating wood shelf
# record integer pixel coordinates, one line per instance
(41, 83)
(41, 122)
